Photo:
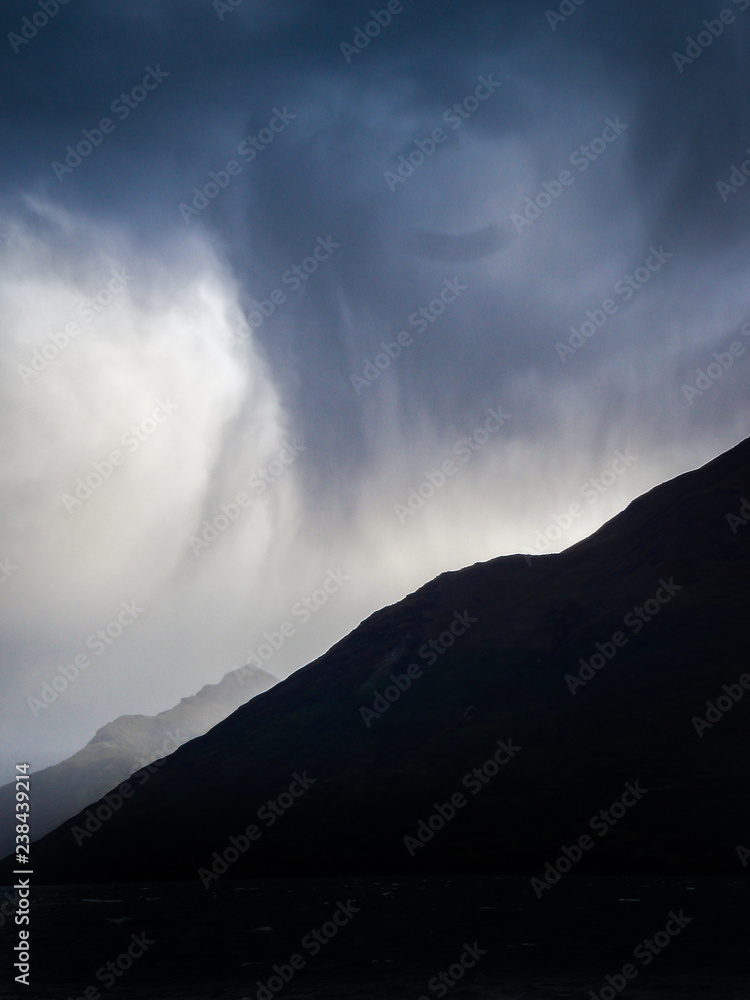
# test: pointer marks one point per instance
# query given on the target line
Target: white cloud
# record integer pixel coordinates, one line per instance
(133, 407)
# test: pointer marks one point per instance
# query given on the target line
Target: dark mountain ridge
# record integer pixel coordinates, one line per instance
(123, 746)
(500, 714)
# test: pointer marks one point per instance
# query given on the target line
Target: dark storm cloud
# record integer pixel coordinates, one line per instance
(355, 115)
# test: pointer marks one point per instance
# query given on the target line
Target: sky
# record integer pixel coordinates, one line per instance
(302, 304)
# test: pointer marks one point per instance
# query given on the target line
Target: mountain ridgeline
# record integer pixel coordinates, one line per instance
(590, 706)
(123, 746)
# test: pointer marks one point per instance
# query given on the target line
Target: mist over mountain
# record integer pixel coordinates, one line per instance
(594, 700)
(126, 745)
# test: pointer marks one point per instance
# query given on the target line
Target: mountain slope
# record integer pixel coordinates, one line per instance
(661, 588)
(123, 746)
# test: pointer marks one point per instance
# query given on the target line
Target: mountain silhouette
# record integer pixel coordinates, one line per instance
(496, 720)
(127, 744)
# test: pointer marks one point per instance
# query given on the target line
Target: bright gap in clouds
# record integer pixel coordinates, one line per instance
(121, 387)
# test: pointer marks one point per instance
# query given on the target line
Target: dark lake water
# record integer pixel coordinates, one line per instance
(389, 939)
